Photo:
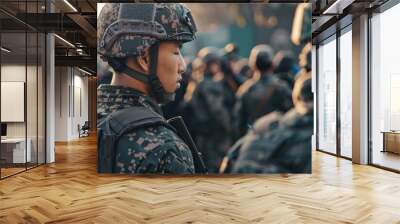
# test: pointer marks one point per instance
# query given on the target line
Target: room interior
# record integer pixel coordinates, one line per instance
(46, 82)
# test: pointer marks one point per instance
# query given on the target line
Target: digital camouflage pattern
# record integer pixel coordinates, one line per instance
(128, 30)
(264, 96)
(155, 149)
(277, 144)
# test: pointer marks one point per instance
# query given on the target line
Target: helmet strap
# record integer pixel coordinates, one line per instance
(157, 90)
(136, 75)
(121, 67)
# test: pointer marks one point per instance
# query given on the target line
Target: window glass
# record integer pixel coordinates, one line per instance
(385, 88)
(327, 96)
(346, 94)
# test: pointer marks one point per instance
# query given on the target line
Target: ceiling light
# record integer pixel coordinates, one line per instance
(70, 5)
(337, 7)
(65, 41)
(5, 50)
(84, 71)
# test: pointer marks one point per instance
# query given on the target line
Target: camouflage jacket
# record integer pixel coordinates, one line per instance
(155, 149)
(266, 95)
(277, 144)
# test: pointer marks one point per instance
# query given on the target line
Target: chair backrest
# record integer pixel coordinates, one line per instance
(86, 125)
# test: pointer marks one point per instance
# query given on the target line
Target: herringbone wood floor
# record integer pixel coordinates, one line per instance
(70, 191)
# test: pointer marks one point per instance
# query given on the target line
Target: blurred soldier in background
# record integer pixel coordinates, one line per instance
(104, 75)
(262, 94)
(279, 143)
(211, 118)
(231, 56)
(285, 68)
(245, 71)
(141, 42)
(231, 77)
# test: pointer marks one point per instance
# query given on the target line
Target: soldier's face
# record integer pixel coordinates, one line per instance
(170, 66)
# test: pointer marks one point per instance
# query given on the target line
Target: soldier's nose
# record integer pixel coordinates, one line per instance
(182, 65)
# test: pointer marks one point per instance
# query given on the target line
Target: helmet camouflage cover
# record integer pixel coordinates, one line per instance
(129, 29)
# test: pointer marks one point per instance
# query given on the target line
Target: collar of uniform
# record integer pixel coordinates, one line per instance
(126, 97)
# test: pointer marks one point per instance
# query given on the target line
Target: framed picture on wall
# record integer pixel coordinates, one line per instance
(12, 101)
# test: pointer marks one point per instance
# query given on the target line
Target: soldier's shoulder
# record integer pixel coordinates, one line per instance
(245, 87)
(210, 85)
(280, 83)
(268, 122)
(154, 137)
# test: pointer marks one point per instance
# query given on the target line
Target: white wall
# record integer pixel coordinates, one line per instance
(61, 103)
(71, 94)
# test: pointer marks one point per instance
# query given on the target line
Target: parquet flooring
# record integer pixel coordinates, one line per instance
(9, 171)
(70, 191)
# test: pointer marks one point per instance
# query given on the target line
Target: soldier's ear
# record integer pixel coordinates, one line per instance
(144, 63)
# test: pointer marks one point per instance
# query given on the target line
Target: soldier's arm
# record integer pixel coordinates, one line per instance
(231, 157)
(153, 150)
(285, 95)
(177, 159)
(239, 118)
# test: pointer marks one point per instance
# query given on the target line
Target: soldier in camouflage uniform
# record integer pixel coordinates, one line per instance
(211, 117)
(232, 79)
(141, 42)
(279, 143)
(285, 68)
(262, 94)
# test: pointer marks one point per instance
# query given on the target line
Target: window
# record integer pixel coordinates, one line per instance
(327, 96)
(346, 95)
(385, 88)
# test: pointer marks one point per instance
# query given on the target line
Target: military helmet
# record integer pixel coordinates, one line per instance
(284, 61)
(208, 55)
(129, 29)
(231, 52)
(261, 57)
(231, 48)
(302, 91)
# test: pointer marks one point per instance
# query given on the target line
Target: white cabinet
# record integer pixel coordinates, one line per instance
(18, 149)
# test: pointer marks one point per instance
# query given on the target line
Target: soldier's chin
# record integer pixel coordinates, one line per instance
(170, 91)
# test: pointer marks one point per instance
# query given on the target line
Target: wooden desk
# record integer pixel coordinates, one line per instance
(391, 141)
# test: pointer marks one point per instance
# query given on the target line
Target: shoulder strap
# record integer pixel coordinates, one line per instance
(115, 125)
(132, 118)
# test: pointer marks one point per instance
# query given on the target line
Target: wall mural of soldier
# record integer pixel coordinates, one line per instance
(179, 94)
